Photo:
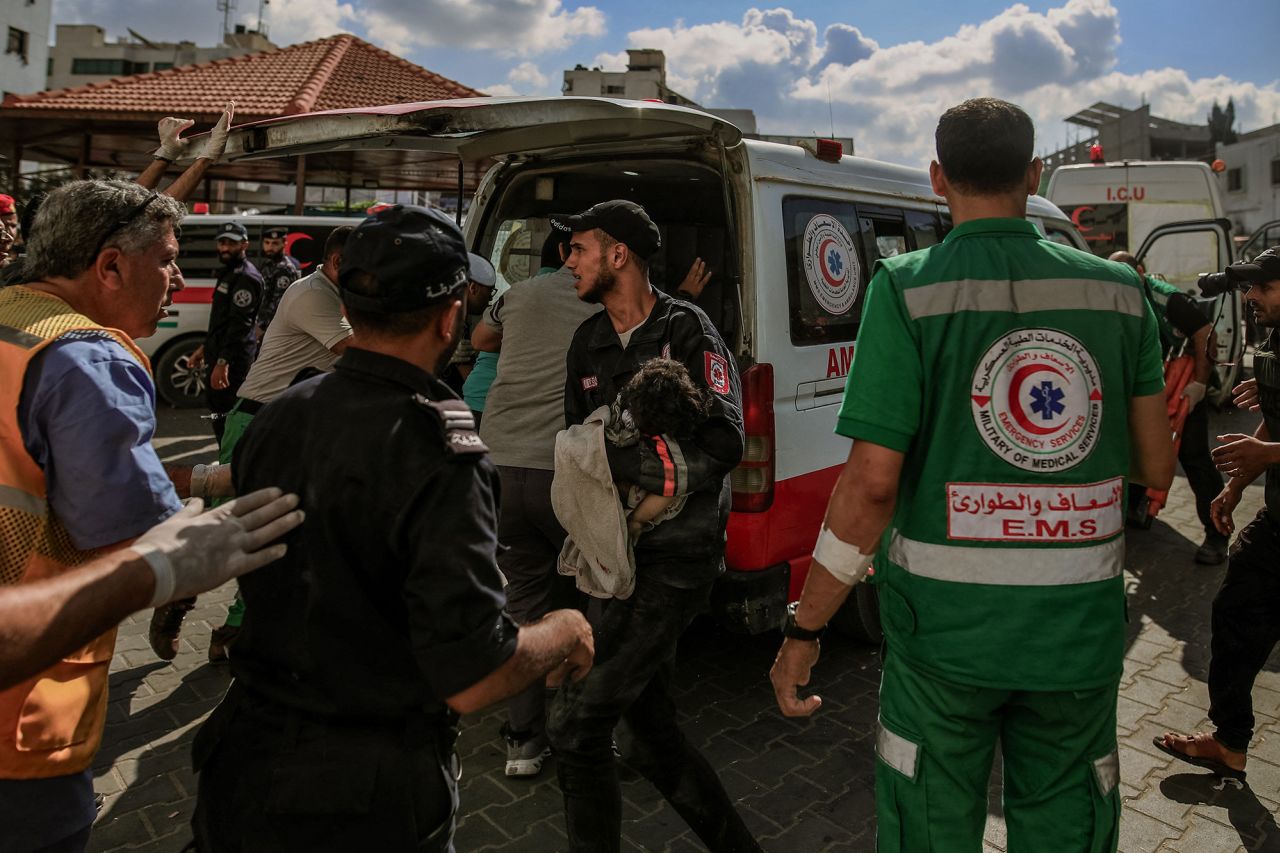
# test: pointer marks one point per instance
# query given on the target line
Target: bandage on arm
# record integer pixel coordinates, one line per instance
(841, 559)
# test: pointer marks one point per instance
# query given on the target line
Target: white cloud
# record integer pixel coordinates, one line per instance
(526, 73)
(524, 79)
(508, 27)
(888, 98)
(293, 21)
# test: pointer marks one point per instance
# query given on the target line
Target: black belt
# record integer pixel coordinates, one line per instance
(249, 407)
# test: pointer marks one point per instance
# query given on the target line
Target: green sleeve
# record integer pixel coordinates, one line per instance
(882, 396)
(1150, 376)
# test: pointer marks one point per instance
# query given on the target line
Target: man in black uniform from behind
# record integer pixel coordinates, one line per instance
(676, 563)
(386, 620)
(232, 343)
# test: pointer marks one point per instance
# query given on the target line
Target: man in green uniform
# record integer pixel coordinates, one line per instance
(1003, 389)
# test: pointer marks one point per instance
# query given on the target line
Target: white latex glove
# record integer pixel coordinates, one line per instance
(218, 136)
(191, 552)
(1194, 393)
(171, 146)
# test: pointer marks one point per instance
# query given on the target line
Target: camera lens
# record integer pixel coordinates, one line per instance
(1215, 283)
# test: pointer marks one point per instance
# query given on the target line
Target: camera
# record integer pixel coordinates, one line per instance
(1217, 283)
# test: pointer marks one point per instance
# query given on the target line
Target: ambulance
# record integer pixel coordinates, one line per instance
(184, 329)
(1170, 214)
(790, 234)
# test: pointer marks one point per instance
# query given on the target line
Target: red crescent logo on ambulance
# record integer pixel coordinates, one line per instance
(289, 240)
(829, 255)
(1075, 217)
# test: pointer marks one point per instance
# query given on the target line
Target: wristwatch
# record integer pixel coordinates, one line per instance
(222, 362)
(792, 631)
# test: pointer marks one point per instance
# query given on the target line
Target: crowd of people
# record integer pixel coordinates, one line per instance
(425, 529)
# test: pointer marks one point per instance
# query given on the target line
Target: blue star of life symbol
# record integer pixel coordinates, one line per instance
(1047, 400)
(834, 262)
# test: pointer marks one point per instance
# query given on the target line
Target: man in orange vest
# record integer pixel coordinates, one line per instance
(78, 474)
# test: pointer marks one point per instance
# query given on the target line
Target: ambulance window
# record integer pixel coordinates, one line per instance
(826, 269)
(925, 229)
(885, 238)
(198, 252)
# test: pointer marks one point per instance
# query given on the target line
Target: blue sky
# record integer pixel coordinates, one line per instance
(890, 67)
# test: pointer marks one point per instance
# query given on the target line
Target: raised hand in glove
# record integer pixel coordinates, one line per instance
(172, 147)
(192, 552)
(218, 136)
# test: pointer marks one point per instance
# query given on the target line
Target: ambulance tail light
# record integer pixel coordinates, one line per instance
(752, 480)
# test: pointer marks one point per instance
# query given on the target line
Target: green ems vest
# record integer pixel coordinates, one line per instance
(1002, 365)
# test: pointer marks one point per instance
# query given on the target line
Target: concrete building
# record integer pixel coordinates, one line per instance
(1131, 134)
(646, 79)
(1251, 180)
(81, 53)
(24, 63)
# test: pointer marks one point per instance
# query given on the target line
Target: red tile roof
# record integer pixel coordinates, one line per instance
(338, 72)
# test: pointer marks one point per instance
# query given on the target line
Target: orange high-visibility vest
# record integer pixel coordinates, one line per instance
(50, 724)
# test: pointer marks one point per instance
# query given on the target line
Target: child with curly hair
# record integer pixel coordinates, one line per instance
(660, 399)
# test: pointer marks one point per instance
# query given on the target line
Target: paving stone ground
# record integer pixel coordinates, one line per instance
(801, 786)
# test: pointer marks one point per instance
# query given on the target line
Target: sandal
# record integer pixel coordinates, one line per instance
(1219, 768)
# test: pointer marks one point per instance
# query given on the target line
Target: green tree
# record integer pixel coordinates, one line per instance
(1221, 121)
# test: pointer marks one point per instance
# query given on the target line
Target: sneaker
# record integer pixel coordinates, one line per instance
(166, 624)
(220, 642)
(525, 752)
(1213, 551)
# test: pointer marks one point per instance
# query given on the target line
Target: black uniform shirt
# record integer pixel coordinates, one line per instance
(686, 550)
(276, 277)
(232, 315)
(1266, 368)
(389, 599)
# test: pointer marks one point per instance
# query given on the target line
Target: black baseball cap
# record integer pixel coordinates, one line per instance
(1264, 267)
(416, 254)
(232, 231)
(277, 231)
(624, 221)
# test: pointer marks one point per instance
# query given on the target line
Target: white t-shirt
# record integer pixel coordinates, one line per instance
(308, 322)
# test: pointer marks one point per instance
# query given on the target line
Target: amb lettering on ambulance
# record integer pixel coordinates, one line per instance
(790, 234)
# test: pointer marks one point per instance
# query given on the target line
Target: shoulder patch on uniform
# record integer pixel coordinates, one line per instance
(242, 298)
(460, 436)
(717, 372)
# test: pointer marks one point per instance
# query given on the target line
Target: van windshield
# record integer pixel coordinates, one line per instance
(684, 198)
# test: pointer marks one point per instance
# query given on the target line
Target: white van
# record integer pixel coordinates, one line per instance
(789, 235)
(1171, 214)
(184, 329)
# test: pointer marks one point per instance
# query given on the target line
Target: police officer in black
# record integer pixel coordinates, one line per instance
(676, 563)
(385, 621)
(279, 270)
(231, 344)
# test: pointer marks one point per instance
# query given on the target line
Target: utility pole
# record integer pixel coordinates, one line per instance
(263, 9)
